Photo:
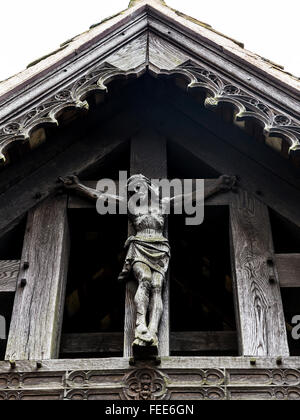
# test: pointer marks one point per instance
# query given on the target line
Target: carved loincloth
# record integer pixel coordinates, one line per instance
(154, 252)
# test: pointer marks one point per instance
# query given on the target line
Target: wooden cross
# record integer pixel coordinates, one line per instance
(38, 309)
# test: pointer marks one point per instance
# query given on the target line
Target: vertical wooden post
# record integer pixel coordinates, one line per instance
(148, 157)
(39, 301)
(260, 317)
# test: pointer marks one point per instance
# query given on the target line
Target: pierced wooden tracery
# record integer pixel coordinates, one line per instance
(47, 112)
(218, 90)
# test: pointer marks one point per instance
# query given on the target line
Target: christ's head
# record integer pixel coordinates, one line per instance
(142, 186)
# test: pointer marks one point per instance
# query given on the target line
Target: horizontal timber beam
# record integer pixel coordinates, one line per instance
(9, 271)
(180, 342)
(288, 267)
(175, 362)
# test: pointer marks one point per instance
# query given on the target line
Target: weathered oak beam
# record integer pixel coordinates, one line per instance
(107, 342)
(288, 267)
(39, 301)
(9, 271)
(175, 363)
(190, 341)
(260, 317)
(204, 341)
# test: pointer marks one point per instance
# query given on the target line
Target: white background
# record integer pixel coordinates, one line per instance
(30, 29)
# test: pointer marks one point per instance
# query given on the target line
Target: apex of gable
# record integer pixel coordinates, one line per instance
(133, 3)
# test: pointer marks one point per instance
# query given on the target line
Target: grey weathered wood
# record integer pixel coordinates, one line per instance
(288, 267)
(177, 363)
(84, 154)
(9, 271)
(203, 341)
(273, 191)
(260, 317)
(107, 342)
(232, 135)
(148, 157)
(132, 55)
(221, 199)
(164, 55)
(274, 89)
(38, 307)
(188, 341)
(130, 25)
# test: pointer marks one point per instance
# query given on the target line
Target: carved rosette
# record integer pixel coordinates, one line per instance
(145, 384)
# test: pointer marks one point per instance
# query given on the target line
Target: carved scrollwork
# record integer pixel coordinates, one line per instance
(145, 384)
(72, 96)
(220, 90)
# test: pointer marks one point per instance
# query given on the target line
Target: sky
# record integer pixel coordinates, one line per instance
(30, 29)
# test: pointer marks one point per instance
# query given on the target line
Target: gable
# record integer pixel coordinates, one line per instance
(90, 144)
(263, 113)
(149, 95)
(151, 37)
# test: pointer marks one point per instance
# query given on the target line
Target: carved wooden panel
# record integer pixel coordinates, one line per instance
(148, 383)
(145, 384)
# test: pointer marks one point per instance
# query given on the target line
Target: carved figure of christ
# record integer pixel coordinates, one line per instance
(148, 251)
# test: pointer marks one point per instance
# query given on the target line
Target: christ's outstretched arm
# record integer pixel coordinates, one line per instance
(224, 183)
(72, 182)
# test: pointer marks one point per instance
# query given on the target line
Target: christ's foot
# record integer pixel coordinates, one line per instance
(155, 339)
(142, 334)
(143, 350)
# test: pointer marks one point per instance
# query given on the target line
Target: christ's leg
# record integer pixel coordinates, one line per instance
(156, 305)
(143, 275)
